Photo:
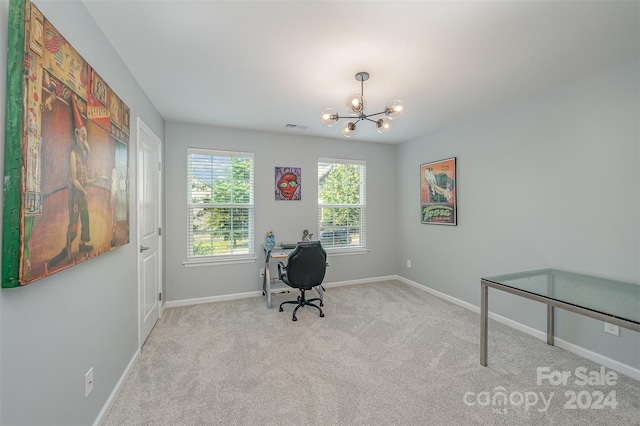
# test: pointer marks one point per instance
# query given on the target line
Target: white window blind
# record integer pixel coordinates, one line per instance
(220, 204)
(342, 203)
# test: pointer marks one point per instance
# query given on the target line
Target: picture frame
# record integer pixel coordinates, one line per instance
(288, 184)
(438, 182)
(66, 182)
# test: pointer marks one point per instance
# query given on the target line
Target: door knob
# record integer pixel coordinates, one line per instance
(143, 248)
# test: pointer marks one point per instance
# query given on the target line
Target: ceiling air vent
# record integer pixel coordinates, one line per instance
(295, 126)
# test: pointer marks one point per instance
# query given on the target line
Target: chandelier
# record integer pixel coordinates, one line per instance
(356, 107)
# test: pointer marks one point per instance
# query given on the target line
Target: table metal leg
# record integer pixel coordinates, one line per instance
(484, 316)
(550, 325)
(267, 277)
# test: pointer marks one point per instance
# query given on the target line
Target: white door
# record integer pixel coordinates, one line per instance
(149, 223)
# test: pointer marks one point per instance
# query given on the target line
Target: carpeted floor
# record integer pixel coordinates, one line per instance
(384, 354)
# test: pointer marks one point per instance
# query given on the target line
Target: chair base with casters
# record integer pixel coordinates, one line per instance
(302, 301)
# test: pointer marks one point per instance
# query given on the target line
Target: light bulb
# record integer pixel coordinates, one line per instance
(383, 125)
(329, 117)
(394, 109)
(355, 103)
(349, 129)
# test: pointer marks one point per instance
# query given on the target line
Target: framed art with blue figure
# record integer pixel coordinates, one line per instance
(438, 192)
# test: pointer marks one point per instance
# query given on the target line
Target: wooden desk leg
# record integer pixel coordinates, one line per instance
(484, 315)
(550, 325)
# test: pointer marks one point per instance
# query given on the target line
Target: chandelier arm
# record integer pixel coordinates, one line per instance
(374, 114)
(353, 117)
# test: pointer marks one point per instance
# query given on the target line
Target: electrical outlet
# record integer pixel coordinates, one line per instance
(88, 382)
(261, 274)
(409, 263)
(612, 329)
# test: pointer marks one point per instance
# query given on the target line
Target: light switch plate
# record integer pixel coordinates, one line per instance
(88, 382)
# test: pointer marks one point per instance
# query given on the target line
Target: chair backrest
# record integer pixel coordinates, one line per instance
(306, 265)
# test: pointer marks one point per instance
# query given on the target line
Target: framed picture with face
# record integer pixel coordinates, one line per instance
(288, 181)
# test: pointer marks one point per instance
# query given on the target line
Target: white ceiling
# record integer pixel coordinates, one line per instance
(265, 64)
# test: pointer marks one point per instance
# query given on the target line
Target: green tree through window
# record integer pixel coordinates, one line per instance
(341, 203)
(221, 203)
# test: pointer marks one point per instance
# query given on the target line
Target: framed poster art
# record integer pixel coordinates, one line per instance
(438, 192)
(288, 183)
(66, 180)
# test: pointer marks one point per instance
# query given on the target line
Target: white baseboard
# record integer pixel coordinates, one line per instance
(116, 391)
(360, 281)
(561, 343)
(436, 293)
(210, 299)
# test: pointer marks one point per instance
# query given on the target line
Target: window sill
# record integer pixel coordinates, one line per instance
(343, 251)
(219, 261)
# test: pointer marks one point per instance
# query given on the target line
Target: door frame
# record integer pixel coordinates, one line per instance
(142, 127)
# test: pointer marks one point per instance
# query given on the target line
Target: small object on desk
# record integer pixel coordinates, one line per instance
(287, 246)
(306, 236)
(270, 240)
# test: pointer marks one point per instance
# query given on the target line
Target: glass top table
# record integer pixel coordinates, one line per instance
(612, 301)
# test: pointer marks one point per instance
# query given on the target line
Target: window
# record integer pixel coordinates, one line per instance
(220, 204)
(342, 203)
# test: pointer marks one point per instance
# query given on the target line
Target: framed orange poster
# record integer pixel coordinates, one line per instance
(438, 192)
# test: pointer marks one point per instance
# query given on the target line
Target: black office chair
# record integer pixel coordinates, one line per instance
(305, 269)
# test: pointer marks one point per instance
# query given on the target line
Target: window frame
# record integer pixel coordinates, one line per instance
(224, 258)
(361, 245)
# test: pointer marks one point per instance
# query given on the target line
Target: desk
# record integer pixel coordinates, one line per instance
(611, 301)
(269, 285)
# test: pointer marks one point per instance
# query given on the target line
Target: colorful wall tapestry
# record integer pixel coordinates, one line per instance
(66, 155)
(438, 192)
(288, 183)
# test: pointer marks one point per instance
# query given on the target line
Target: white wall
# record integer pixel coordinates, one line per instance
(549, 182)
(52, 331)
(287, 219)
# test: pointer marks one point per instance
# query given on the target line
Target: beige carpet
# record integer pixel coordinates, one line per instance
(384, 354)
